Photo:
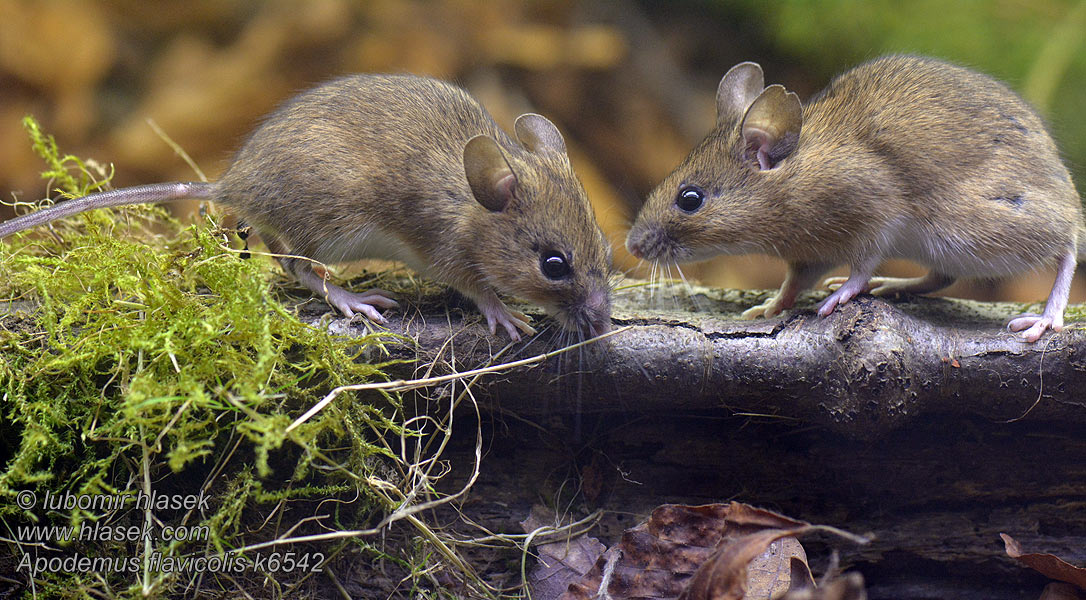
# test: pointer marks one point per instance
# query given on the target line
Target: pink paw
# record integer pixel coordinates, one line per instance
(349, 302)
(768, 309)
(511, 321)
(1034, 326)
(843, 294)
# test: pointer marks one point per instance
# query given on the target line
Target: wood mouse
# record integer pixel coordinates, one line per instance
(413, 169)
(901, 157)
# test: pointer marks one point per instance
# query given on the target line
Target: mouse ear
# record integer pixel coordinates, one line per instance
(492, 180)
(538, 135)
(771, 126)
(739, 87)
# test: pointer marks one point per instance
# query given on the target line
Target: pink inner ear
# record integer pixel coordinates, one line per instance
(758, 141)
(763, 159)
(506, 186)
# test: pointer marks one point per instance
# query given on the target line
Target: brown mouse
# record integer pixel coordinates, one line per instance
(901, 157)
(409, 168)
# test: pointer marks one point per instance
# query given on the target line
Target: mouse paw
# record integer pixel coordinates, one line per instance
(366, 303)
(1033, 326)
(768, 309)
(833, 282)
(497, 313)
(847, 291)
(878, 286)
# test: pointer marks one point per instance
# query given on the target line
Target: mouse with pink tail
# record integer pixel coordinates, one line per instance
(901, 157)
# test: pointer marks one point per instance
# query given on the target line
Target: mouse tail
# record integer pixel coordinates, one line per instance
(141, 194)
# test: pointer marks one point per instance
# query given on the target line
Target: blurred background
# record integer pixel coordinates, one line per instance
(630, 83)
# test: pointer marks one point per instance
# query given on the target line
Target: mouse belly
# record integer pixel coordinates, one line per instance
(367, 242)
(982, 253)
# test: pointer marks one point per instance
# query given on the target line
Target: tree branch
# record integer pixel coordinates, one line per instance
(871, 367)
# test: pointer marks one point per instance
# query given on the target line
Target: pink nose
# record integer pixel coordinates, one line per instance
(598, 307)
(597, 301)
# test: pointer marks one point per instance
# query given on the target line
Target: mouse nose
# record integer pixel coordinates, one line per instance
(597, 310)
(634, 243)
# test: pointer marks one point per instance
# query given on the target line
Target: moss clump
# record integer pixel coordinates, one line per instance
(140, 356)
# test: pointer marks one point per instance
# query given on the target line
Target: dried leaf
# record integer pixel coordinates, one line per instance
(849, 586)
(1048, 565)
(1058, 590)
(560, 563)
(801, 577)
(769, 575)
(725, 575)
(705, 548)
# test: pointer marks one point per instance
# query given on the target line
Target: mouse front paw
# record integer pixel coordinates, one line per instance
(768, 309)
(514, 322)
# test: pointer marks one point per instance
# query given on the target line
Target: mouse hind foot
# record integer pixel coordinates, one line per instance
(889, 286)
(1033, 326)
(348, 303)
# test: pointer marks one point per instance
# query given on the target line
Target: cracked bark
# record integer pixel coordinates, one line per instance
(871, 367)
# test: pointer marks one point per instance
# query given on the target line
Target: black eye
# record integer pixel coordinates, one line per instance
(554, 265)
(690, 199)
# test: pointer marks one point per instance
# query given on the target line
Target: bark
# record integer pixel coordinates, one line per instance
(887, 418)
(871, 367)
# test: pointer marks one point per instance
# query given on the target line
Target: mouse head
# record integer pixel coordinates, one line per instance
(537, 236)
(725, 195)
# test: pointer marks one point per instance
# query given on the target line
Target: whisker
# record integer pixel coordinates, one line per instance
(689, 289)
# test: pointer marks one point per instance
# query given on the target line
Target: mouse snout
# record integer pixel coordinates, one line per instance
(635, 241)
(590, 317)
(648, 243)
(597, 309)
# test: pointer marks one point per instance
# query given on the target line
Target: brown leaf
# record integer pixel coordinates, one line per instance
(769, 575)
(711, 545)
(1048, 565)
(1058, 590)
(801, 577)
(560, 563)
(849, 586)
(724, 576)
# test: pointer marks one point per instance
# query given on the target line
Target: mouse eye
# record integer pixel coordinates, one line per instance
(690, 199)
(554, 265)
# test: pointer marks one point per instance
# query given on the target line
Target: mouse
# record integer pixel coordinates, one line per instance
(903, 156)
(408, 168)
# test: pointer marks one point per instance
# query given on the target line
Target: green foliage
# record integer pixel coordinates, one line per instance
(60, 167)
(153, 357)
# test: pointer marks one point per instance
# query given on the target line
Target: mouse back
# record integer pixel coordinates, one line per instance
(902, 156)
(379, 166)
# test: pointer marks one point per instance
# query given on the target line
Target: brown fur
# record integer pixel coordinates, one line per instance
(901, 157)
(374, 166)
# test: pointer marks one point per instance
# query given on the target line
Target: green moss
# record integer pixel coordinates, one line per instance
(146, 351)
